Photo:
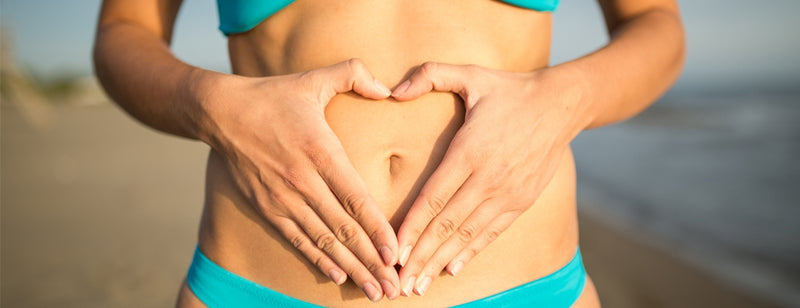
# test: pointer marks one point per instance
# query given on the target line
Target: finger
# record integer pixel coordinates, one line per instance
(351, 192)
(352, 75)
(466, 233)
(434, 76)
(352, 235)
(487, 236)
(448, 177)
(440, 230)
(298, 238)
(327, 241)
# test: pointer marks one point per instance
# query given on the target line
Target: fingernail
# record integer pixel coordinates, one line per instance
(372, 292)
(423, 285)
(409, 286)
(402, 88)
(381, 87)
(389, 289)
(456, 268)
(388, 256)
(404, 256)
(337, 276)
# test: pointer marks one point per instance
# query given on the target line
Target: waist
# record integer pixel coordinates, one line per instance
(395, 161)
(393, 146)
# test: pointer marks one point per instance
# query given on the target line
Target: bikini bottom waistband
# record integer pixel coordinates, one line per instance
(218, 287)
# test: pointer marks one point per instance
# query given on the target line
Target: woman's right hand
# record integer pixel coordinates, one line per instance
(286, 159)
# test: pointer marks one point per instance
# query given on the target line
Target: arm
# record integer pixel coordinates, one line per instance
(134, 64)
(315, 199)
(477, 191)
(643, 59)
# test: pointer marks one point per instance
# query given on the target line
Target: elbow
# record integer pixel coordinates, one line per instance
(670, 29)
(676, 38)
(662, 23)
(101, 45)
(666, 25)
(97, 55)
(100, 60)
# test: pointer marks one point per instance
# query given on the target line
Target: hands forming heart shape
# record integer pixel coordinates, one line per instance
(290, 164)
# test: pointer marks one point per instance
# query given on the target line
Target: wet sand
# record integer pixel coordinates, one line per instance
(98, 211)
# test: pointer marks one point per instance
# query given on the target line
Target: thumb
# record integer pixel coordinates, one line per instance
(353, 75)
(433, 76)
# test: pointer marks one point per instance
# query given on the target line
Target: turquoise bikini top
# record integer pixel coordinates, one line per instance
(237, 16)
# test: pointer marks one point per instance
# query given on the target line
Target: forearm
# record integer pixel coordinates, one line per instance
(643, 59)
(138, 71)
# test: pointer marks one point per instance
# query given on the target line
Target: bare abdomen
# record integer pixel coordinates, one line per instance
(394, 146)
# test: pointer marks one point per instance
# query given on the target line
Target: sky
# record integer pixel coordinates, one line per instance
(732, 44)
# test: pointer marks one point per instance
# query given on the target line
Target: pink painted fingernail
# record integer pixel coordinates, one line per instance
(402, 88)
(388, 256)
(372, 292)
(337, 276)
(423, 285)
(409, 286)
(404, 255)
(389, 289)
(456, 268)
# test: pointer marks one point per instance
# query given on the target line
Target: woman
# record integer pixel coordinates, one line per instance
(315, 163)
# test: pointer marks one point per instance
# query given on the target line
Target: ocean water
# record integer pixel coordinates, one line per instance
(713, 178)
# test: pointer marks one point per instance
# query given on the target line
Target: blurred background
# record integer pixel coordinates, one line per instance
(693, 203)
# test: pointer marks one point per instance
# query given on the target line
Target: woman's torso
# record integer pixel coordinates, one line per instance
(393, 146)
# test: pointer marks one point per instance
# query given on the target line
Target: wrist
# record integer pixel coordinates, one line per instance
(571, 96)
(204, 91)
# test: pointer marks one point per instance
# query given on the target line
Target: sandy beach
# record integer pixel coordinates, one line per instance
(99, 211)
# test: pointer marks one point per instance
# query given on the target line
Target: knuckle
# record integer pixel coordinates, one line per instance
(298, 241)
(279, 202)
(347, 233)
(293, 178)
(434, 204)
(356, 66)
(272, 214)
(517, 211)
(495, 182)
(317, 152)
(520, 189)
(373, 267)
(307, 76)
(466, 232)
(444, 228)
(375, 234)
(492, 234)
(505, 170)
(428, 68)
(355, 63)
(312, 81)
(470, 252)
(480, 156)
(353, 203)
(319, 262)
(473, 70)
(415, 231)
(326, 242)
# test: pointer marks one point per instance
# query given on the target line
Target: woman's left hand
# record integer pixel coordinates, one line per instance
(516, 128)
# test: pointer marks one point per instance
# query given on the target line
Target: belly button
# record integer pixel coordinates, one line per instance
(394, 164)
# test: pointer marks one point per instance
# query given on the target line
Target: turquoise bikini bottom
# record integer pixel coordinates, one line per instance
(218, 287)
